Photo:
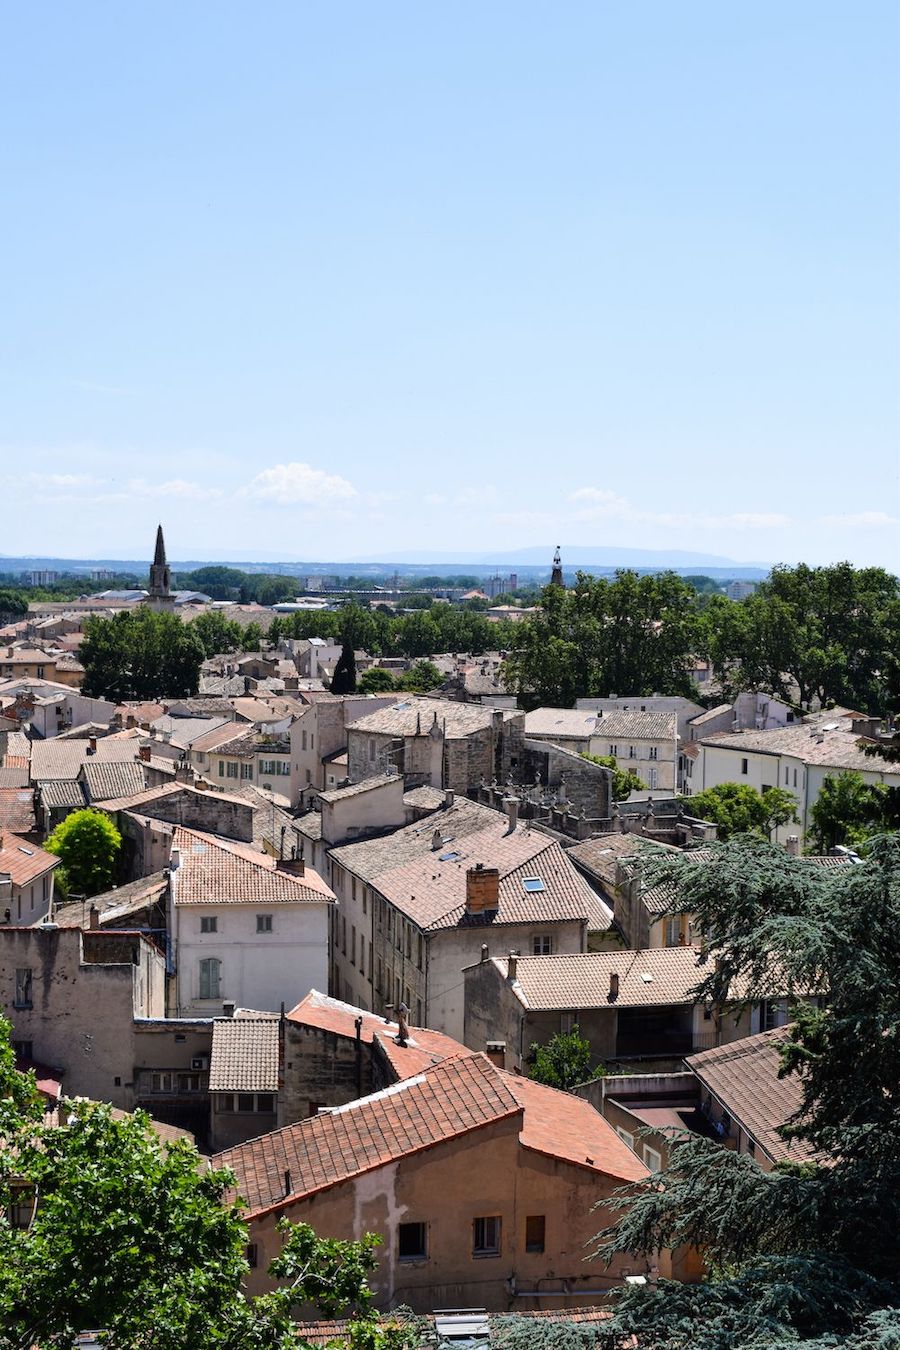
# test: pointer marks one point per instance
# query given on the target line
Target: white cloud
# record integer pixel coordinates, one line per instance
(857, 518)
(294, 483)
(173, 487)
(599, 504)
(63, 480)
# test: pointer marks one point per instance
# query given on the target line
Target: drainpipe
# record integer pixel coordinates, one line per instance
(358, 1025)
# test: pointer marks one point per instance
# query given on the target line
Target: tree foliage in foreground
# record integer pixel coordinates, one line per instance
(848, 810)
(806, 1254)
(139, 1238)
(564, 1061)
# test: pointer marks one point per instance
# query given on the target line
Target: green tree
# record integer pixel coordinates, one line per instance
(343, 681)
(804, 1255)
(624, 781)
(632, 634)
(140, 654)
(376, 680)
(847, 811)
(737, 808)
(216, 633)
(421, 677)
(87, 844)
(564, 1061)
(135, 1237)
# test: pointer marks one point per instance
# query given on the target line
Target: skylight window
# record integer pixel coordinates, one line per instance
(532, 884)
(449, 857)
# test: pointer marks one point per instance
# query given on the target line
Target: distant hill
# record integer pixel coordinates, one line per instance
(574, 556)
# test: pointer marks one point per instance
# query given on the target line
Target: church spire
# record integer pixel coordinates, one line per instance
(160, 595)
(159, 557)
(556, 576)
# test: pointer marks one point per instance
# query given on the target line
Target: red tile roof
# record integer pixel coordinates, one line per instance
(562, 1126)
(452, 1099)
(24, 861)
(219, 871)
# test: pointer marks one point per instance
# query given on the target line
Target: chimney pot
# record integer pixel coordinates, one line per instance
(512, 965)
(448, 797)
(94, 917)
(228, 1008)
(144, 753)
(613, 987)
(511, 805)
(496, 1053)
(437, 841)
(92, 745)
(484, 951)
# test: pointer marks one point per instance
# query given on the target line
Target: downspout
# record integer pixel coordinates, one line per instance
(358, 1025)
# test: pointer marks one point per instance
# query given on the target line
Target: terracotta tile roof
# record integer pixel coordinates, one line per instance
(569, 723)
(452, 1099)
(217, 737)
(337, 1332)
(24, 861)
(599, 857)
(356, 789)
(840, 748)
(431, 888)
(710, 715)
(563, 1126)
(581, 980)
(108, 779)
(370, 857)
(144, 797)
(185, 730)
(16, 810)
(424, 1047)
(141, 712)
(651, 726)
(218, 871)
(59, 758)
(426, 797)
(415, 716)
(743, 1076)
(60, 792)
(244, 1055)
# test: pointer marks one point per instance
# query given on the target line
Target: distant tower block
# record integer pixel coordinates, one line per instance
(556, 576)
(160, 595)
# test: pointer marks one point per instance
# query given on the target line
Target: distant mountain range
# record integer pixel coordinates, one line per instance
(573, 556)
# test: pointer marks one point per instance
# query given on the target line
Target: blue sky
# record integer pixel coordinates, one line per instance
(331, 280)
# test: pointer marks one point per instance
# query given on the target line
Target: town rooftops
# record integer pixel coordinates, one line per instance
(647, 978)
(23, 861)
(568, 723)
(828, 741)
(218, 737)
(244, 1055)
(356, 789)
(743, 1077)
(651, 726)
(108, 779)
(58, 758)
(214, 871)
(428, 882)
(183, 731)
(599, 857)
(449, 1100)
(117, 906)
(416, 717)
(710, 715)
(423, 1049)
(16, 810)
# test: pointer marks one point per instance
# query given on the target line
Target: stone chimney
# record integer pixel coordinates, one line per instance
(228, 1008)
(485, 952)
(793, 845)
(511, 806)
(496, 1053)
(448, 797)
(512, 966)
(482, 889)
(296, 866)
(93, 917)
(437, 841)
(613, 987)
(92, 745)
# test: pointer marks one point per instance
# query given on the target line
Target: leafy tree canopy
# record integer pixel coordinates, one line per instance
(421, 677)
(87, 844)
(806, 1254)
(849, 810)
(376, 680)
(624, 781)
(140, 654)
(564, 1061)
(738, 807)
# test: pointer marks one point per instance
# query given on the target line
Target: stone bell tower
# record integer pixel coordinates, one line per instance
(160, 596)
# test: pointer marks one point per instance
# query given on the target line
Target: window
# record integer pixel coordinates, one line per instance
(795, 778)
(412, 1241)
(353, 889)
(420, 952)
(23, 1049)
(344, 935)
(246, 770)
(362, 954)
(532, 884)
(353, 944)
(221, 768)
(535, 1225)
(631, 752)
(302, 740)
(265, 1101)
(23, 987)
(21, 1205)
(246, 1101)
(542, 944)
(162, 1082)
(264, 923)
(418, 1012)
(486, 1236)
(189, 1082)
(652, 1158)
(252, 1255)
(653, 778)
(209, 977)
(409, 942)
(775, 1013)
(787, 774)
(209, 923)
(232, 770)
(365, 899)
(371, 748)
(654, 752)
(625, 1136)
(743, 766)
(614, 750)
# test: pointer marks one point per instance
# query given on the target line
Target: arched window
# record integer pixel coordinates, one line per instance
(210, 968)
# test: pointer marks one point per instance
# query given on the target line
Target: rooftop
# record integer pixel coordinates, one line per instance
(648, 978)
(16, 810)
(828, 742)
(215, 871)
(59, 758)
(23, 861)
(743, 1076)
(638, 725)
(416, 716)
(244, 1054)
(569, 723)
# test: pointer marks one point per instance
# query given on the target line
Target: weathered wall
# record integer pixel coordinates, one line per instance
(320, 1069)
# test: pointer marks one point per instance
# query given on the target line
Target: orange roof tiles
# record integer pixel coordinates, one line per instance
(24, 861)
(219, 871)
(562, 1126)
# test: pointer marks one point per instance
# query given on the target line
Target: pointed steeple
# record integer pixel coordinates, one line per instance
(160, 595)
(159, 557)
(556, 576)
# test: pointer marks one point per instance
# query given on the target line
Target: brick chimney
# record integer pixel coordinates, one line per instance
(482, 889)
(144, 753)
(613, 987)
(496, 1053)
(93, 917)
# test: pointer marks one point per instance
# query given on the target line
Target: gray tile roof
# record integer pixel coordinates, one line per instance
(107, 779)
(412, 716)
(116, 906)
(60, 792)
(63, 759)
(839, 747)
(356, 789)
(244, 1055)
(568, 723)
(651, 726)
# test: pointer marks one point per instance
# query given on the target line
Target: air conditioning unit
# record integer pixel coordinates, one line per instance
(200, 1062)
